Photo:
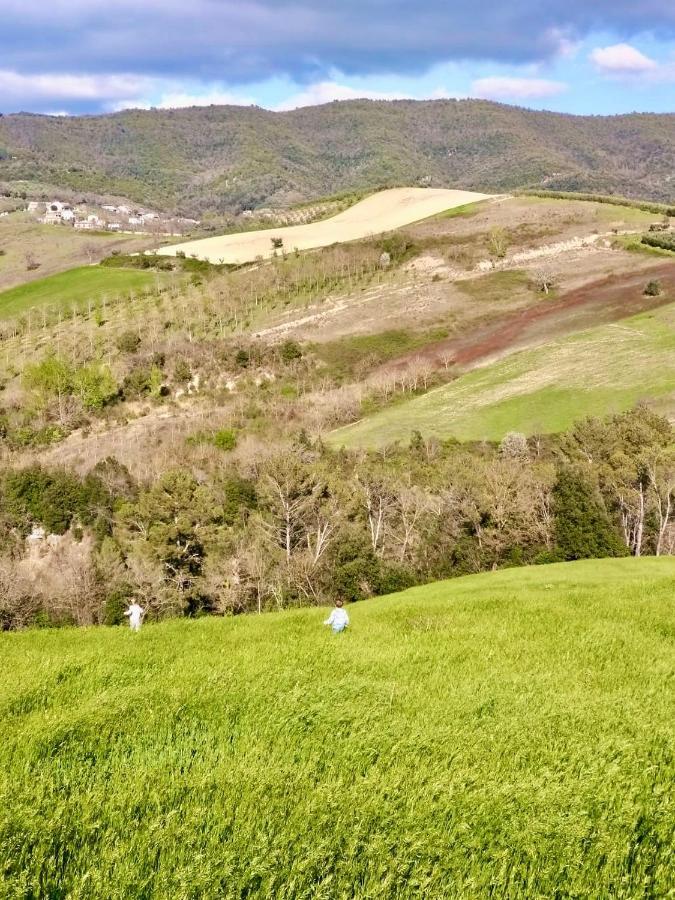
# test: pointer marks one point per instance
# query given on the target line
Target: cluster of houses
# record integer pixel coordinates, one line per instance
(110, 218)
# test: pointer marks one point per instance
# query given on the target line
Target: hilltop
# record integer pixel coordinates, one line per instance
(234, 158)
(499, 735)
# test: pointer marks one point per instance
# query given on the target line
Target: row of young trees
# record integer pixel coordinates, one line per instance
(312, 524)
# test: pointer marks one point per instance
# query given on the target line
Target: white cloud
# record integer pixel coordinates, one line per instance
(70, 87)
(112, 92)
(566, 47)
(622, 59)
(327, 91)
(505, 88)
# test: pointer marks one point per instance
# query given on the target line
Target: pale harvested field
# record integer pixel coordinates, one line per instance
(379, 213)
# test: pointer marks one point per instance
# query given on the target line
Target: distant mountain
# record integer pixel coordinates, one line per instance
(225, 158)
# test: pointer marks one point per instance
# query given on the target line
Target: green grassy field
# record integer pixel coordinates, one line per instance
(502, 735)
(75, 288)
(56, 248)
(603, 370)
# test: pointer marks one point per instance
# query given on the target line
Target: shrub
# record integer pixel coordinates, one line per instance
(55, 376)
(52, 499)
(51, 377)
(115, 603)
(653, 288)
(129, 342)
(399, 246)
(95, 386)
(141, 382)
(182, 372)
(242, 359)
(239, 498)
(660, 241)
(290, 351)
(225, 439)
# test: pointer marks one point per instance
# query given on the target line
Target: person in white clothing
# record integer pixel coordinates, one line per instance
(338, 619)
(135, 613)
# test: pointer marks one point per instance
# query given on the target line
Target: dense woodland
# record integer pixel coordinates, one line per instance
(229, 159)
(311, 524)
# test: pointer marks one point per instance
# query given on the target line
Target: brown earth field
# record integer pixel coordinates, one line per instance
(596, 303)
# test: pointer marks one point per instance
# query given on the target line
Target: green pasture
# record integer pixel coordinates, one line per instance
(76, 287)
(596, 372)
(502, 735)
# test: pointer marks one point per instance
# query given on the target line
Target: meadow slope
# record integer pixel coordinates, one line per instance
(508, 735)
(593, 373)
(384, 211)
(75, 288)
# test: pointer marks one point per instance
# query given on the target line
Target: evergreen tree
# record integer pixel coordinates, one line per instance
(583, 527)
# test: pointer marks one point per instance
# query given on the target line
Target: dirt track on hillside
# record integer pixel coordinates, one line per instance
(384, 211)
(597, 303)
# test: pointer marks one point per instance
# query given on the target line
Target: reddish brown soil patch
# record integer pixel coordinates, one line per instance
(597, 303)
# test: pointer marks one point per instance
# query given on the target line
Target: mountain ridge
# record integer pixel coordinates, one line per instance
(231, 158)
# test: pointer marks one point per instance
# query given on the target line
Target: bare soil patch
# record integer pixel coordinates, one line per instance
(600, 302)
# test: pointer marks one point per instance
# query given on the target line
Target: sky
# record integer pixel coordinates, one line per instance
(65, 57)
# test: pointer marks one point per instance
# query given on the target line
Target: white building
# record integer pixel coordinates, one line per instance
(57, 213)
(91, 223)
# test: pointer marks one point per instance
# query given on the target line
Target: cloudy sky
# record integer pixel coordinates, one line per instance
(582, 56)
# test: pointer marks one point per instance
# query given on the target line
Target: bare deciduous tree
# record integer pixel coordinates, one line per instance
(544, 280)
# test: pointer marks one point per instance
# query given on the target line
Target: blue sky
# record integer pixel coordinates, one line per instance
(90, 56)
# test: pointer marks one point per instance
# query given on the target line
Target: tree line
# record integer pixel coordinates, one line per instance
(311, 524)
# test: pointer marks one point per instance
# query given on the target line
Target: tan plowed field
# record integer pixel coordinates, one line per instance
(381, 212)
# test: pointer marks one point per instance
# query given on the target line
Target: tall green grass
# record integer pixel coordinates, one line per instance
(504, 735)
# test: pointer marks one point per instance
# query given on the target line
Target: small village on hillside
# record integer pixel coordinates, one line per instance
(123, 219)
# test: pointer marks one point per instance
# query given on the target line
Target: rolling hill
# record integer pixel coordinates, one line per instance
(234, 158)
(381, 212)
(506, 734)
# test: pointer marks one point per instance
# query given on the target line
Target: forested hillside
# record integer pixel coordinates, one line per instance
(233, 158)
